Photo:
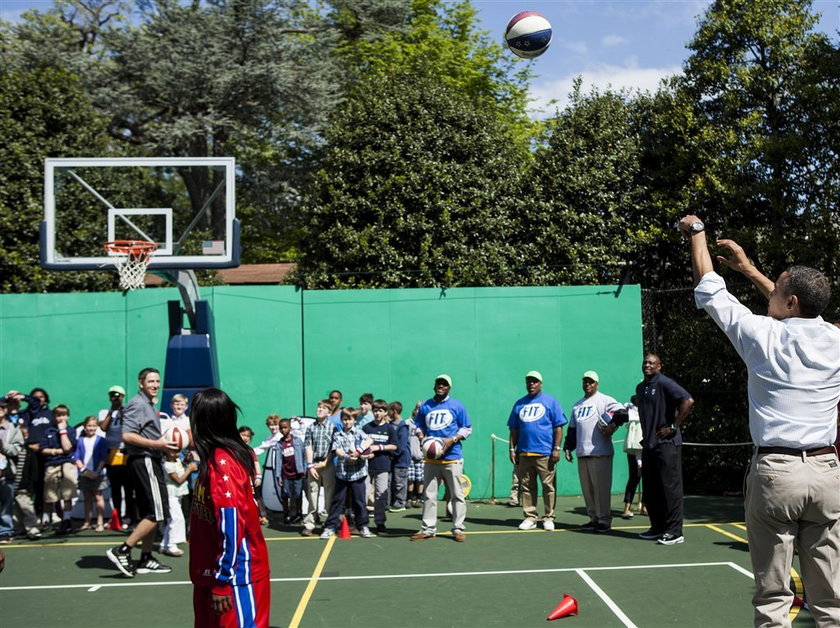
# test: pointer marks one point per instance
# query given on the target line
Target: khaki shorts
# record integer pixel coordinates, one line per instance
(60, 482)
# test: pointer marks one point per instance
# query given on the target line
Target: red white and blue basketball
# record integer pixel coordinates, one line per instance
(528, 34)
(177, 437)
(432, 447)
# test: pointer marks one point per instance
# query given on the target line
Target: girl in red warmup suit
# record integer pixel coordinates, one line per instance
(228, 556)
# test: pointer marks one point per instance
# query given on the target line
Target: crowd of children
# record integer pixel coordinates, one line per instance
(365, 459)
(47, 464)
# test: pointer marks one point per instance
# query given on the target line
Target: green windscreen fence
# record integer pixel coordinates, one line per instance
(281, 349)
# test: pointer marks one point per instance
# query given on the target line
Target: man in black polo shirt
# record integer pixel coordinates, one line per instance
(145, 447)
(663, 406)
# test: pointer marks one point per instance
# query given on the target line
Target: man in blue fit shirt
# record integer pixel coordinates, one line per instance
(536, 429)
(792, 496)
(447, 419)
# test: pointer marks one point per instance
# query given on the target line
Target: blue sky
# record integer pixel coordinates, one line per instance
(621, 43)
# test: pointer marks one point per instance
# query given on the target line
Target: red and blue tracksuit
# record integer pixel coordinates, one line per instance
(228, 555)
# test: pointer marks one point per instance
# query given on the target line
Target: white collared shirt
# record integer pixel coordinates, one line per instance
(793, 368)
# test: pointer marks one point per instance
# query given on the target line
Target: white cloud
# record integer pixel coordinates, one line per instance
(601, 76)
(614, 40)
(578, 47)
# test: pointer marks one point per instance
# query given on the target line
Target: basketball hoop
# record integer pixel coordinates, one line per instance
(131, 258)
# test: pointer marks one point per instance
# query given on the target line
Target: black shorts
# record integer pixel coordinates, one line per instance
(150, 488)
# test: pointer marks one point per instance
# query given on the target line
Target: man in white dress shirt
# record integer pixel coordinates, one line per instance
(792, 495)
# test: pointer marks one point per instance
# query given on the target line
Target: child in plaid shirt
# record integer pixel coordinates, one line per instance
(351, 452)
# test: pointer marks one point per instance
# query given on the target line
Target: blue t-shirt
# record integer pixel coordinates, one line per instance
(383, 434)
(536, 419)
(51, 439)
(443, 419)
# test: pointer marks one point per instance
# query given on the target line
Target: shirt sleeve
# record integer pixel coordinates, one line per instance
(230, 487)
(559, 419)
(131, 419)
(513, 419)
(740, 325)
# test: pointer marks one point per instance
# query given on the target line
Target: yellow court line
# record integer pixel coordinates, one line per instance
(725, 533)
(798, 590)
(313, 581)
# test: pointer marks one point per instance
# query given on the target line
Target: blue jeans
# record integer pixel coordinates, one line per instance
(7, 505)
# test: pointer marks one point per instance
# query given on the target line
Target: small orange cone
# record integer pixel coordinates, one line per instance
(344, 533)
(114, 523)
(567, 606)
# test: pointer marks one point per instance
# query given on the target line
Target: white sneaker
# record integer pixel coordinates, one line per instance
(327, 533)
(528, 524)
(548, 525)
(364, 532)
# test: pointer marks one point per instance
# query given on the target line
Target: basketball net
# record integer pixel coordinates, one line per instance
(131, 259)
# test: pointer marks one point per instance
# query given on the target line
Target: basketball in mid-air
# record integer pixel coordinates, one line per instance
(528, 34)
(432, 447)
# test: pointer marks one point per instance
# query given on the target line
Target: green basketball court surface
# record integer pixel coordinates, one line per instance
(501, 576)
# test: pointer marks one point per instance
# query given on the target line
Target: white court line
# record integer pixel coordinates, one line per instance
(748, 574)
(607, 599)
(133, 583)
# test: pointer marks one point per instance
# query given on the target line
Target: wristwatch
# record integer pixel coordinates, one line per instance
(697, 227)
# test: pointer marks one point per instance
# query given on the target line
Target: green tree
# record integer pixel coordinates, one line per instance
(443, 40)
(416, 189)
(761, 106)
(43, 113)
(588, 201)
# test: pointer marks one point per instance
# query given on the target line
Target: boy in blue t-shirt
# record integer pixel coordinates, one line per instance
(401, 458)
(384, 439)
(58, 444)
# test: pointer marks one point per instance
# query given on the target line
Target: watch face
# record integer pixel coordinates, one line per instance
(697, 227)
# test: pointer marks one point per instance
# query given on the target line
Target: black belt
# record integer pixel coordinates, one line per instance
(790, 451)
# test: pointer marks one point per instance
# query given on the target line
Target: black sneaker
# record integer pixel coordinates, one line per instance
(601, 528)
(151, 565)
(121, 560)
(670, 539)
(650, 535)
(589, 525)
(381, 529)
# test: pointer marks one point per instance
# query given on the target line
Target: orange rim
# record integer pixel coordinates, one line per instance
(135, 248)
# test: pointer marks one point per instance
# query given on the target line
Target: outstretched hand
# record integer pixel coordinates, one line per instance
(737, 258)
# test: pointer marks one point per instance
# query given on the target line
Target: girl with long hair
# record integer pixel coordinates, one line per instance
(228, 556)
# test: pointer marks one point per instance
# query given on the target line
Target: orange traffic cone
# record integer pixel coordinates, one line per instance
(567, 606)
(114, 523)
(344, 533)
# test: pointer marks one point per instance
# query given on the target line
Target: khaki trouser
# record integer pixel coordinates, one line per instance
(595, 483)
(794, 501)
(451, 476)
(326, 478)
(529, 469)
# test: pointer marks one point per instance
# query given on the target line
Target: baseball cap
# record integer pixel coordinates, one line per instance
(117, 389)
(535, 374)
(591, 375)
(445, 378)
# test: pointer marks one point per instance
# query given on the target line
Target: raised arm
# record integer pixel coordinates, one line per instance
(701, 260)
(738, 260)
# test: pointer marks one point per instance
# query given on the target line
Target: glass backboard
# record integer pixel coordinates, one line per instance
(184, 205)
